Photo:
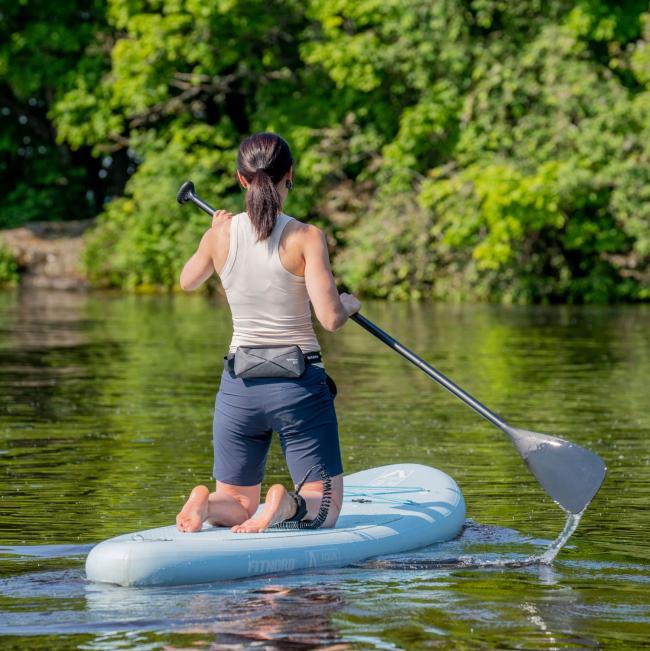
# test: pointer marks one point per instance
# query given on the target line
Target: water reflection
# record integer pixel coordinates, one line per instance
(272, 616)
(40, 319)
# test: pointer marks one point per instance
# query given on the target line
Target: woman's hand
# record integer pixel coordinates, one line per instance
(220, 217)
(350, 302)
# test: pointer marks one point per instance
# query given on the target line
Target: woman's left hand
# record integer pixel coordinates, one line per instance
(220, 216)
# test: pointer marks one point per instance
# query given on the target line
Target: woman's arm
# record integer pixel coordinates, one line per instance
(332, 309)
(212, 251)
(200, 266)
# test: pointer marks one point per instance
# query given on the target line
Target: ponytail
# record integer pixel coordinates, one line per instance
(263, 160)
(263, 204)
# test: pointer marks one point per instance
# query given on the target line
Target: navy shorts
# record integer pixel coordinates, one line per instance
(300, 409)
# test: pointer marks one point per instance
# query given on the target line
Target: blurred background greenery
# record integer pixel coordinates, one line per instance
(454, 149)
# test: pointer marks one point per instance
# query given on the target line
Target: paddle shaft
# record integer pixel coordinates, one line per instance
(433, 373)
(203, 205)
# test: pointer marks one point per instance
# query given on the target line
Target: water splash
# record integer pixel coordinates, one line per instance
(571, 524)
(469, 562)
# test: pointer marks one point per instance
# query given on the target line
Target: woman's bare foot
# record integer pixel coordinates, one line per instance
(279, 506)
(195, 511)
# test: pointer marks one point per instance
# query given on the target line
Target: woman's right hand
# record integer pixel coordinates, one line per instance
(350, 302)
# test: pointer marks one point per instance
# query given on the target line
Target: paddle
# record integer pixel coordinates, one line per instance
(570, 474)
(186, 193)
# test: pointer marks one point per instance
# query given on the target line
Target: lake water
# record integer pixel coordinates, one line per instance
(105, 426)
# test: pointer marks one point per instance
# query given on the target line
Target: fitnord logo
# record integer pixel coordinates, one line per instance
(271, 565)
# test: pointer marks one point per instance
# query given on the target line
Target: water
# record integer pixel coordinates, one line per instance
(105, 412)
(429, 559)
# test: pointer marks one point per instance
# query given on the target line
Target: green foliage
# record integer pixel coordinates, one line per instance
(475, 149)
(543, 195)
(40, 45)
(8, 268)
(144, 238)
(181, 94)
(391, 255)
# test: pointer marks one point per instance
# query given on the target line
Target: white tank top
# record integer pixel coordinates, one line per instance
(269, 305)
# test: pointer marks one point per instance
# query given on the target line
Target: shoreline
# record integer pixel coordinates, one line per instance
(48, 254)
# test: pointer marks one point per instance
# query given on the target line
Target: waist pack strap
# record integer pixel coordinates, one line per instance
(313, 358)
(310, 358)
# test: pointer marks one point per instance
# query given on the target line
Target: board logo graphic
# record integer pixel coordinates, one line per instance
(325, 557)
(268, 566)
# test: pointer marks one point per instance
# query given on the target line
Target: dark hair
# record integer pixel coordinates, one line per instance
(263, 159)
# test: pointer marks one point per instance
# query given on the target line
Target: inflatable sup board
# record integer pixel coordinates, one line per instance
(385, 510)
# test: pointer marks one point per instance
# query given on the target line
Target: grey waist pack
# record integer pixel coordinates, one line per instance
(267, 361)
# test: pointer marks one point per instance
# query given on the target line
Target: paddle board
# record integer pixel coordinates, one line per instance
(385, 510)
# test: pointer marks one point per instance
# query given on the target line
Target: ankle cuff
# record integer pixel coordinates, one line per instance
(301, 508)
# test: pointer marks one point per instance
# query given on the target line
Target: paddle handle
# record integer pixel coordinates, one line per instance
(433, 373)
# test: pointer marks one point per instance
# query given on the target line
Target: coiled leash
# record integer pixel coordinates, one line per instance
(297, 522)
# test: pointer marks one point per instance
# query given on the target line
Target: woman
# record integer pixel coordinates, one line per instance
(271, 267)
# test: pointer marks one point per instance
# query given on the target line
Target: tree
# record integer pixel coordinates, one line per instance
(40, 48)
(454, 149)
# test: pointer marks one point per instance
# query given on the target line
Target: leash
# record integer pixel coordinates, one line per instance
(297, 522)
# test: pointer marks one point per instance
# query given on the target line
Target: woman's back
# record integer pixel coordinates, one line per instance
(269, 303)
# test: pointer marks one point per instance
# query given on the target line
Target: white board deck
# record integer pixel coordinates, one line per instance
(385, 510)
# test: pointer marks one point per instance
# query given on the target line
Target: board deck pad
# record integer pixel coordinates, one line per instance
(386, 510)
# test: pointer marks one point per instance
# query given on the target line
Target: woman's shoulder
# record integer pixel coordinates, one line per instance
(300, 229)
(307, 240)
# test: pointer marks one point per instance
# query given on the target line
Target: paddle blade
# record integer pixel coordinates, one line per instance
(570, 474)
